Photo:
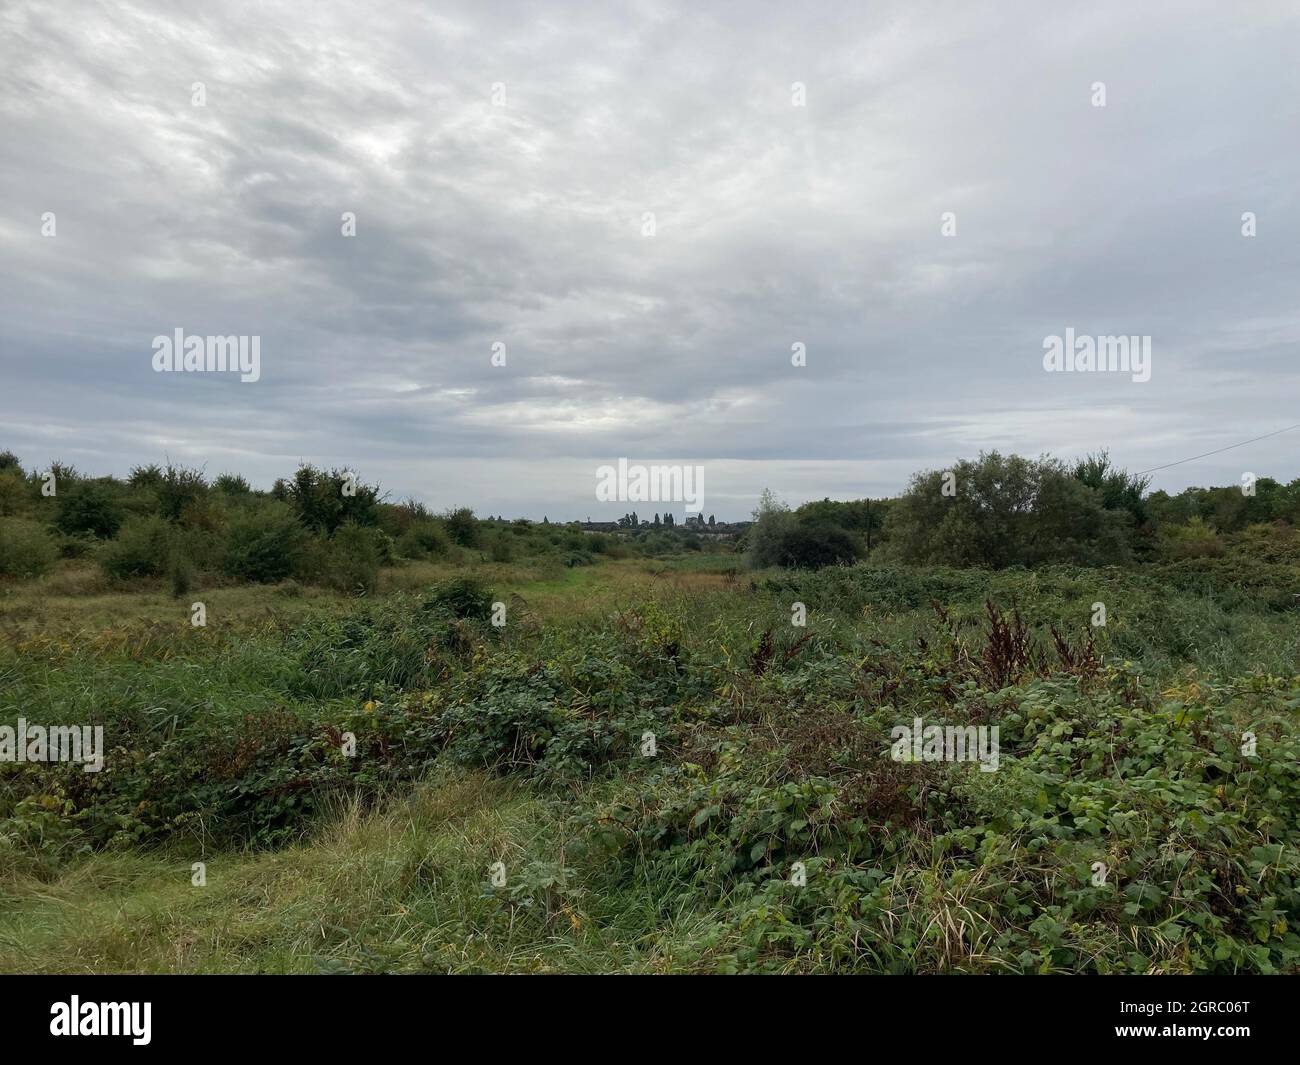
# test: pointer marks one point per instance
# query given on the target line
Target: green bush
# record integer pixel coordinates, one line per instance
(181, 572)
(88, 508)
(76, 546)
(809, 546)
(500, 548)
(354, 557)
(380, 645)
(232, 484)
(999, 511)
(326, 501)
(424, 539)
(765, 540)
(462, 527)
(143, 548)
(464, 597)
(26, 549)
(13, 492)
(265, 545)
(1196, 539)
(810, 540)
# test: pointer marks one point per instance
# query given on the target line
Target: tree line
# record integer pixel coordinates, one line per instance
(1007, 510)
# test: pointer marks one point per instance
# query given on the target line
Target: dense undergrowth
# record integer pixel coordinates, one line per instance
(669, 762)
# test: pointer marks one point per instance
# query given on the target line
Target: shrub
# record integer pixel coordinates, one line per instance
(424, 539)
(181, 573)
(462, 527)
(379, 645)
(325, 501)
(76, 546)
(231, 484)
(779, 538)
(354, 559)
(150, 476)
(765, 539)
(1193, 540)
(204, 515)
(88, 507)
(26, 549)
(386, 546)
(178, 490)
(13, 492)
(265, 545)
(1006, 511)
(143, 548)
(402, 516)
(809, 546)
(464, 597)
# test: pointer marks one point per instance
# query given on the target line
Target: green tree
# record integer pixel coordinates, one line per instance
(324, 501)
(231, 484)
(462, 527)
(178, 490)
(766, 539)
(1002, 511)
(1118, 489)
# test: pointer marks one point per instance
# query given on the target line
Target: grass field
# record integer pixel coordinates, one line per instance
(769, 829)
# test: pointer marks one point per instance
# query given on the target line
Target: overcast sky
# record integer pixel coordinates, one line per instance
(519, 220)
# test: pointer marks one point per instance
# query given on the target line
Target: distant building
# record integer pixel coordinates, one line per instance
(719, 531)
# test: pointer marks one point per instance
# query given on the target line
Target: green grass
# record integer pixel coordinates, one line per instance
(402, 890)
(522, 745)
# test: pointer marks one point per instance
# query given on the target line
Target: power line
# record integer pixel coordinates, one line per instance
(1217, 451)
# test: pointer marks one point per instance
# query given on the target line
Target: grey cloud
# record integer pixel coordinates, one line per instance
(521, 224)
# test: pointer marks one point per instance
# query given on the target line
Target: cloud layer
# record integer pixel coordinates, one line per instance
(500, 160)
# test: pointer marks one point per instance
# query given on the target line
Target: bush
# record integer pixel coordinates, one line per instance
(143, 548)
(424, 539)
(232, 484)
(1193, 540)
(354, 558)
(13, 492)
(464, 597)
(325, 501)
(178, 490)
(1001, 511)
(779, 538)
(809, 546)
(766, 537)
(265, 545)
(88, 507)
(379, 645)
(76, 546)
(26, 549)
(181, 573)
(462, 527)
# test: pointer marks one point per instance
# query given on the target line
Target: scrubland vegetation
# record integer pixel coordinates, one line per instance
(649, 744)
